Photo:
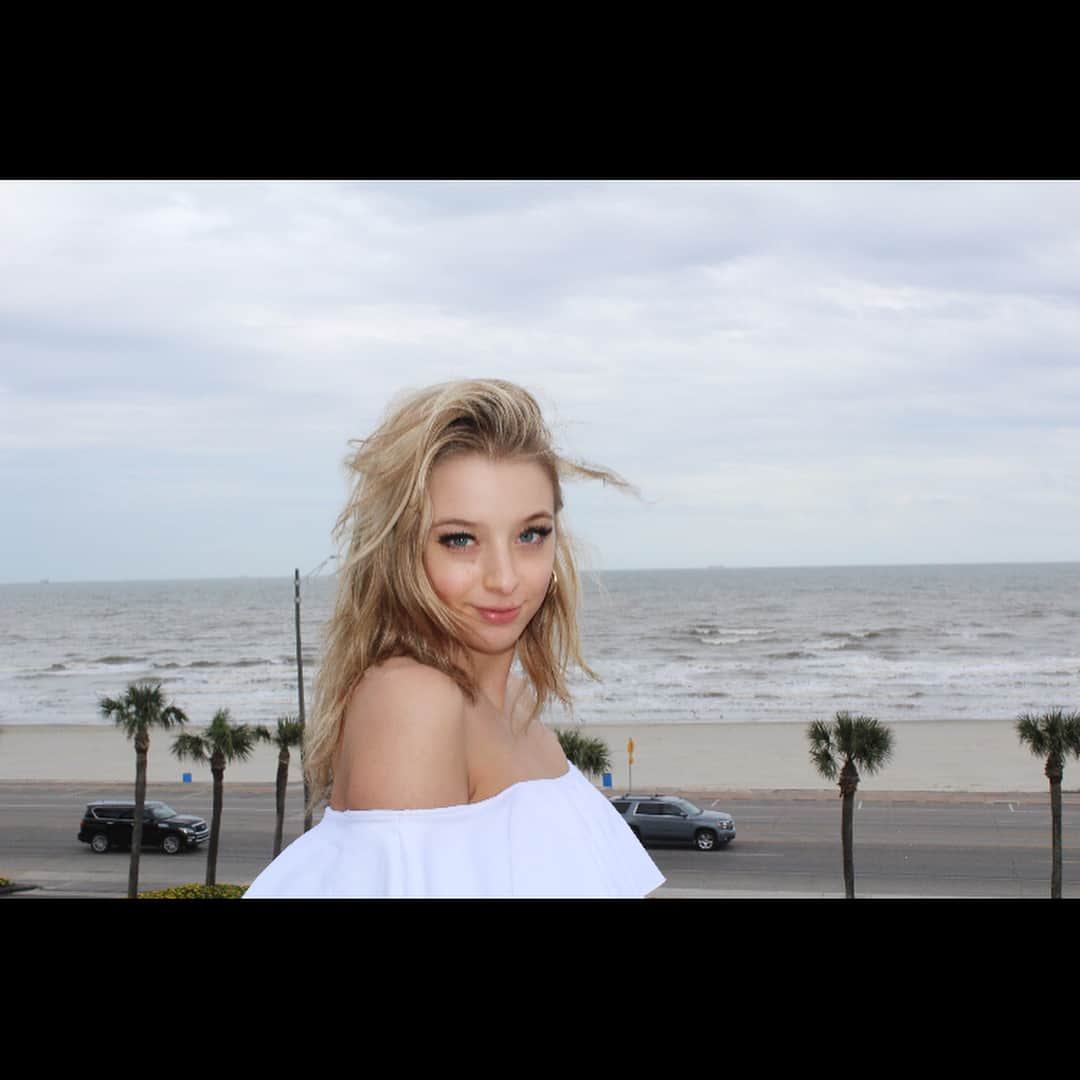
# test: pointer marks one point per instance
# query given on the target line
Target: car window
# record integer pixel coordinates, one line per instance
(125, 813)
(649, 808)
(621, 805)
(668, 810)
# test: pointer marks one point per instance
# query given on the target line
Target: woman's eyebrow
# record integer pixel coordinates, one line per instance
(473, 525)
(454, 521)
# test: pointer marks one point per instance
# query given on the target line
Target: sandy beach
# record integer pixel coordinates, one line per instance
(940, 756)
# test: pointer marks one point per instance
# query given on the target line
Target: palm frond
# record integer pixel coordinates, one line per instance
(191, 746)
(590, 755)
(820, 736)
(289, 733)
(142, 706)
(872, 744)
(1052, 733)
(862, 740)
(1031, 733)
(235, 742)
(171, 716)
(117, 709)
(242, 743)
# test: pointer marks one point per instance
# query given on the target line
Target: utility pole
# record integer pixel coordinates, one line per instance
(300, 691)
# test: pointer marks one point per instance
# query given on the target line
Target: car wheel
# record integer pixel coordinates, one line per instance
(171, 844)
(100, 843)
(704, 840)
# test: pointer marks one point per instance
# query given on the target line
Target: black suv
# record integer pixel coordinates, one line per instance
(674, 820)
(109, 824)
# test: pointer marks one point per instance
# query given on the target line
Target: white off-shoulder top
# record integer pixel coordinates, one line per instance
(552, 837)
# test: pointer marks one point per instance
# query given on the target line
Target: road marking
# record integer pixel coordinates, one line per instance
(860, 804)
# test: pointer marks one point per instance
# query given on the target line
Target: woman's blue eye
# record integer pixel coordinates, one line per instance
(540, 533)
(461, 541)
(455, 540)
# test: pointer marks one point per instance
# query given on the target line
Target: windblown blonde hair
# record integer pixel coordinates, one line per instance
(385, 603)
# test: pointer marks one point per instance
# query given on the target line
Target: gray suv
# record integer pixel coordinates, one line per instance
(672, 819)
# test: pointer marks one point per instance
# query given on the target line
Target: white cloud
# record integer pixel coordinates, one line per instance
(856, 368)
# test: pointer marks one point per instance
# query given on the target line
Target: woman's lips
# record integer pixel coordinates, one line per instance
(499, 615)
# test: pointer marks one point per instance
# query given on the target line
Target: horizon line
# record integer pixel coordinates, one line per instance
(583, 571)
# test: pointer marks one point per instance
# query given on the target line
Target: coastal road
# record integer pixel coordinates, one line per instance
(905, 845)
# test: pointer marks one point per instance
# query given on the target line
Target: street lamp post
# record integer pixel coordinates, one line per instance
(300, 692)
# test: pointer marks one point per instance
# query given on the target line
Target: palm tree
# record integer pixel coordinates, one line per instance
(1052, 735)
(859, 742)
(289, 733)
(590, 755)
(141, 708)
(222, 742)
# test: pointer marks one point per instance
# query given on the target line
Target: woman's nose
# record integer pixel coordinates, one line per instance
(500, 573)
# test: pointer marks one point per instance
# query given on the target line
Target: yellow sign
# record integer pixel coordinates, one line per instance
(630, 747)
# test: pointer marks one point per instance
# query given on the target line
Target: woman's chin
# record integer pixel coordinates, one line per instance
(494, 640)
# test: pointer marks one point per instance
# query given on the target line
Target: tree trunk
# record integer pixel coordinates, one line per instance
(217, 770)
(142, 750)
(279, 792)
(849, 782)
(308, 817)
(1055, 769)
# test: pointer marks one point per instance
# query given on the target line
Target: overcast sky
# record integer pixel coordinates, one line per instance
(793, 373)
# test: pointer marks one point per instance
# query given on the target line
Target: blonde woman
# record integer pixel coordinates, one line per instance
(437, 775)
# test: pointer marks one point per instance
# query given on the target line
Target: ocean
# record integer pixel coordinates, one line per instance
(705, 646)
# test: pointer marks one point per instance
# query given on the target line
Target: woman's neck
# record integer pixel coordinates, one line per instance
(492, 676)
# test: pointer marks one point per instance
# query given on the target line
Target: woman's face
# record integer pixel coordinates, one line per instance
(490, 551)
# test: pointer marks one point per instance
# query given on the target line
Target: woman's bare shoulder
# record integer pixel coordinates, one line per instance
(403, 677)
(403, 740)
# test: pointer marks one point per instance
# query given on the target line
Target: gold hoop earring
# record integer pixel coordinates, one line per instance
(553, 584)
